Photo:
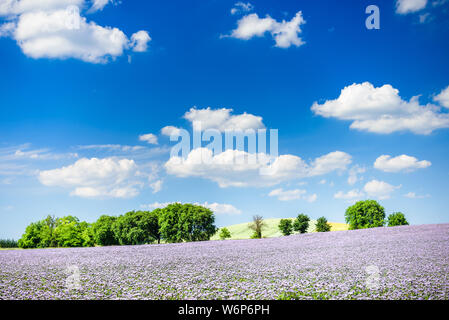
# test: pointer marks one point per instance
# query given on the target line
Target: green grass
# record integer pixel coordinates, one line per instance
(241, 231)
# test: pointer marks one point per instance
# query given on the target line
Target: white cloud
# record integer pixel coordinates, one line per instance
(410, 6)
(443, 97)
(156, 186)
(381, 110)
(287, 195)
(235, 168)
(350, 195)
(240, 7)
(98, 5)
(57, 30)
(108, 177)
(412, 195)
(169, 130)
(7, 29)
(139, 41)
(284, 33)
(400, 163)
(353, 174)
(222, 119)
(379, 189)
(149, 138)
(218, 208)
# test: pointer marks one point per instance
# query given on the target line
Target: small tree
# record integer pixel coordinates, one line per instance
(301, 223)
(286, 226)
(257, 225)
(322, 225)
(365, 214)
(224, 233)
(397, 219)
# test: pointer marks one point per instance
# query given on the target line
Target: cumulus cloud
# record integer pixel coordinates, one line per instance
(241, 7)
(284, 33)
(236, 168)
(443, 97)
(169, 130)
(413, 195)
(295, 194)
(379, 189)
(410, 6)
(382, 110)
(149, 138)
(90, 178)
(353, 174)
(98, 5)
(400, 163)
(156, 186)
(223, 119)
(352, 195)
(217, 208)
(57, 30)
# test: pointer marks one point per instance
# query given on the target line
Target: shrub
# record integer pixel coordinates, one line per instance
(365, 214)
(301, 223)
(322, 225)
(397, 219)
(286, 226)
(224, 233)
(8, 243)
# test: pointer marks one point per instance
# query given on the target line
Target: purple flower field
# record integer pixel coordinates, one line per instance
(408, 262)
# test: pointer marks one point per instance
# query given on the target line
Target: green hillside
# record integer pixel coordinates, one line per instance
(241, 231)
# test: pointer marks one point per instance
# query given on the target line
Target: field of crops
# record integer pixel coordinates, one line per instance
(271, 230)
(408, 262)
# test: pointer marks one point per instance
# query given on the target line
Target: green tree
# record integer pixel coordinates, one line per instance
(136, 227)
(322, 225)
(365, 214)
(69, 232)
(286, 226)
(301, 223)
(224, 233)
(102, 231)
(397, 219)
(32, 238)
(257, 225)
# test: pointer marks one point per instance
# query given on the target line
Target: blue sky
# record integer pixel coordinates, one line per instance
(67, 114)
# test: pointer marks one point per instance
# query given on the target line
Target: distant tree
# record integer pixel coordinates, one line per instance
(365, 214)
(103, 232)
(8, 243)
(322, 225)
(49, 231)
(397, 219)
(32, 238)
(257, 225)
(301, 223)
(69, 232)
(286, 226)
(224, 233)
(136, 227)
(186, 222)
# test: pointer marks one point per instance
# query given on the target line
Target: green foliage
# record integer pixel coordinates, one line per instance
(103, 233)
(397, 219)
(136, 227)
(301, 223)
(286, 226)
(365, 214)
(322, 225)
(8, 243)
(257, 225)
(186, 222)
(224, 233)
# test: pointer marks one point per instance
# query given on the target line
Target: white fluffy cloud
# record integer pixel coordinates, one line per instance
(169, 130)
(90, 178)
(149, 138)
(235, 168)
(284, 33)
(156, 186)
(381, 110)
(240, 7)
(400, 163)
(443, 97)
(379, 189)
(353, 174)
(218, 208)
(410, 6)
(295, 194)
(56, 29)
(98, 5)
(222, 119)
(350, 195)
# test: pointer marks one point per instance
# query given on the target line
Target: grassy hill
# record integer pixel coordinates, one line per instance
(241, 231)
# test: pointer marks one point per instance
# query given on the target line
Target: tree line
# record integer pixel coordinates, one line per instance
(174, 223)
